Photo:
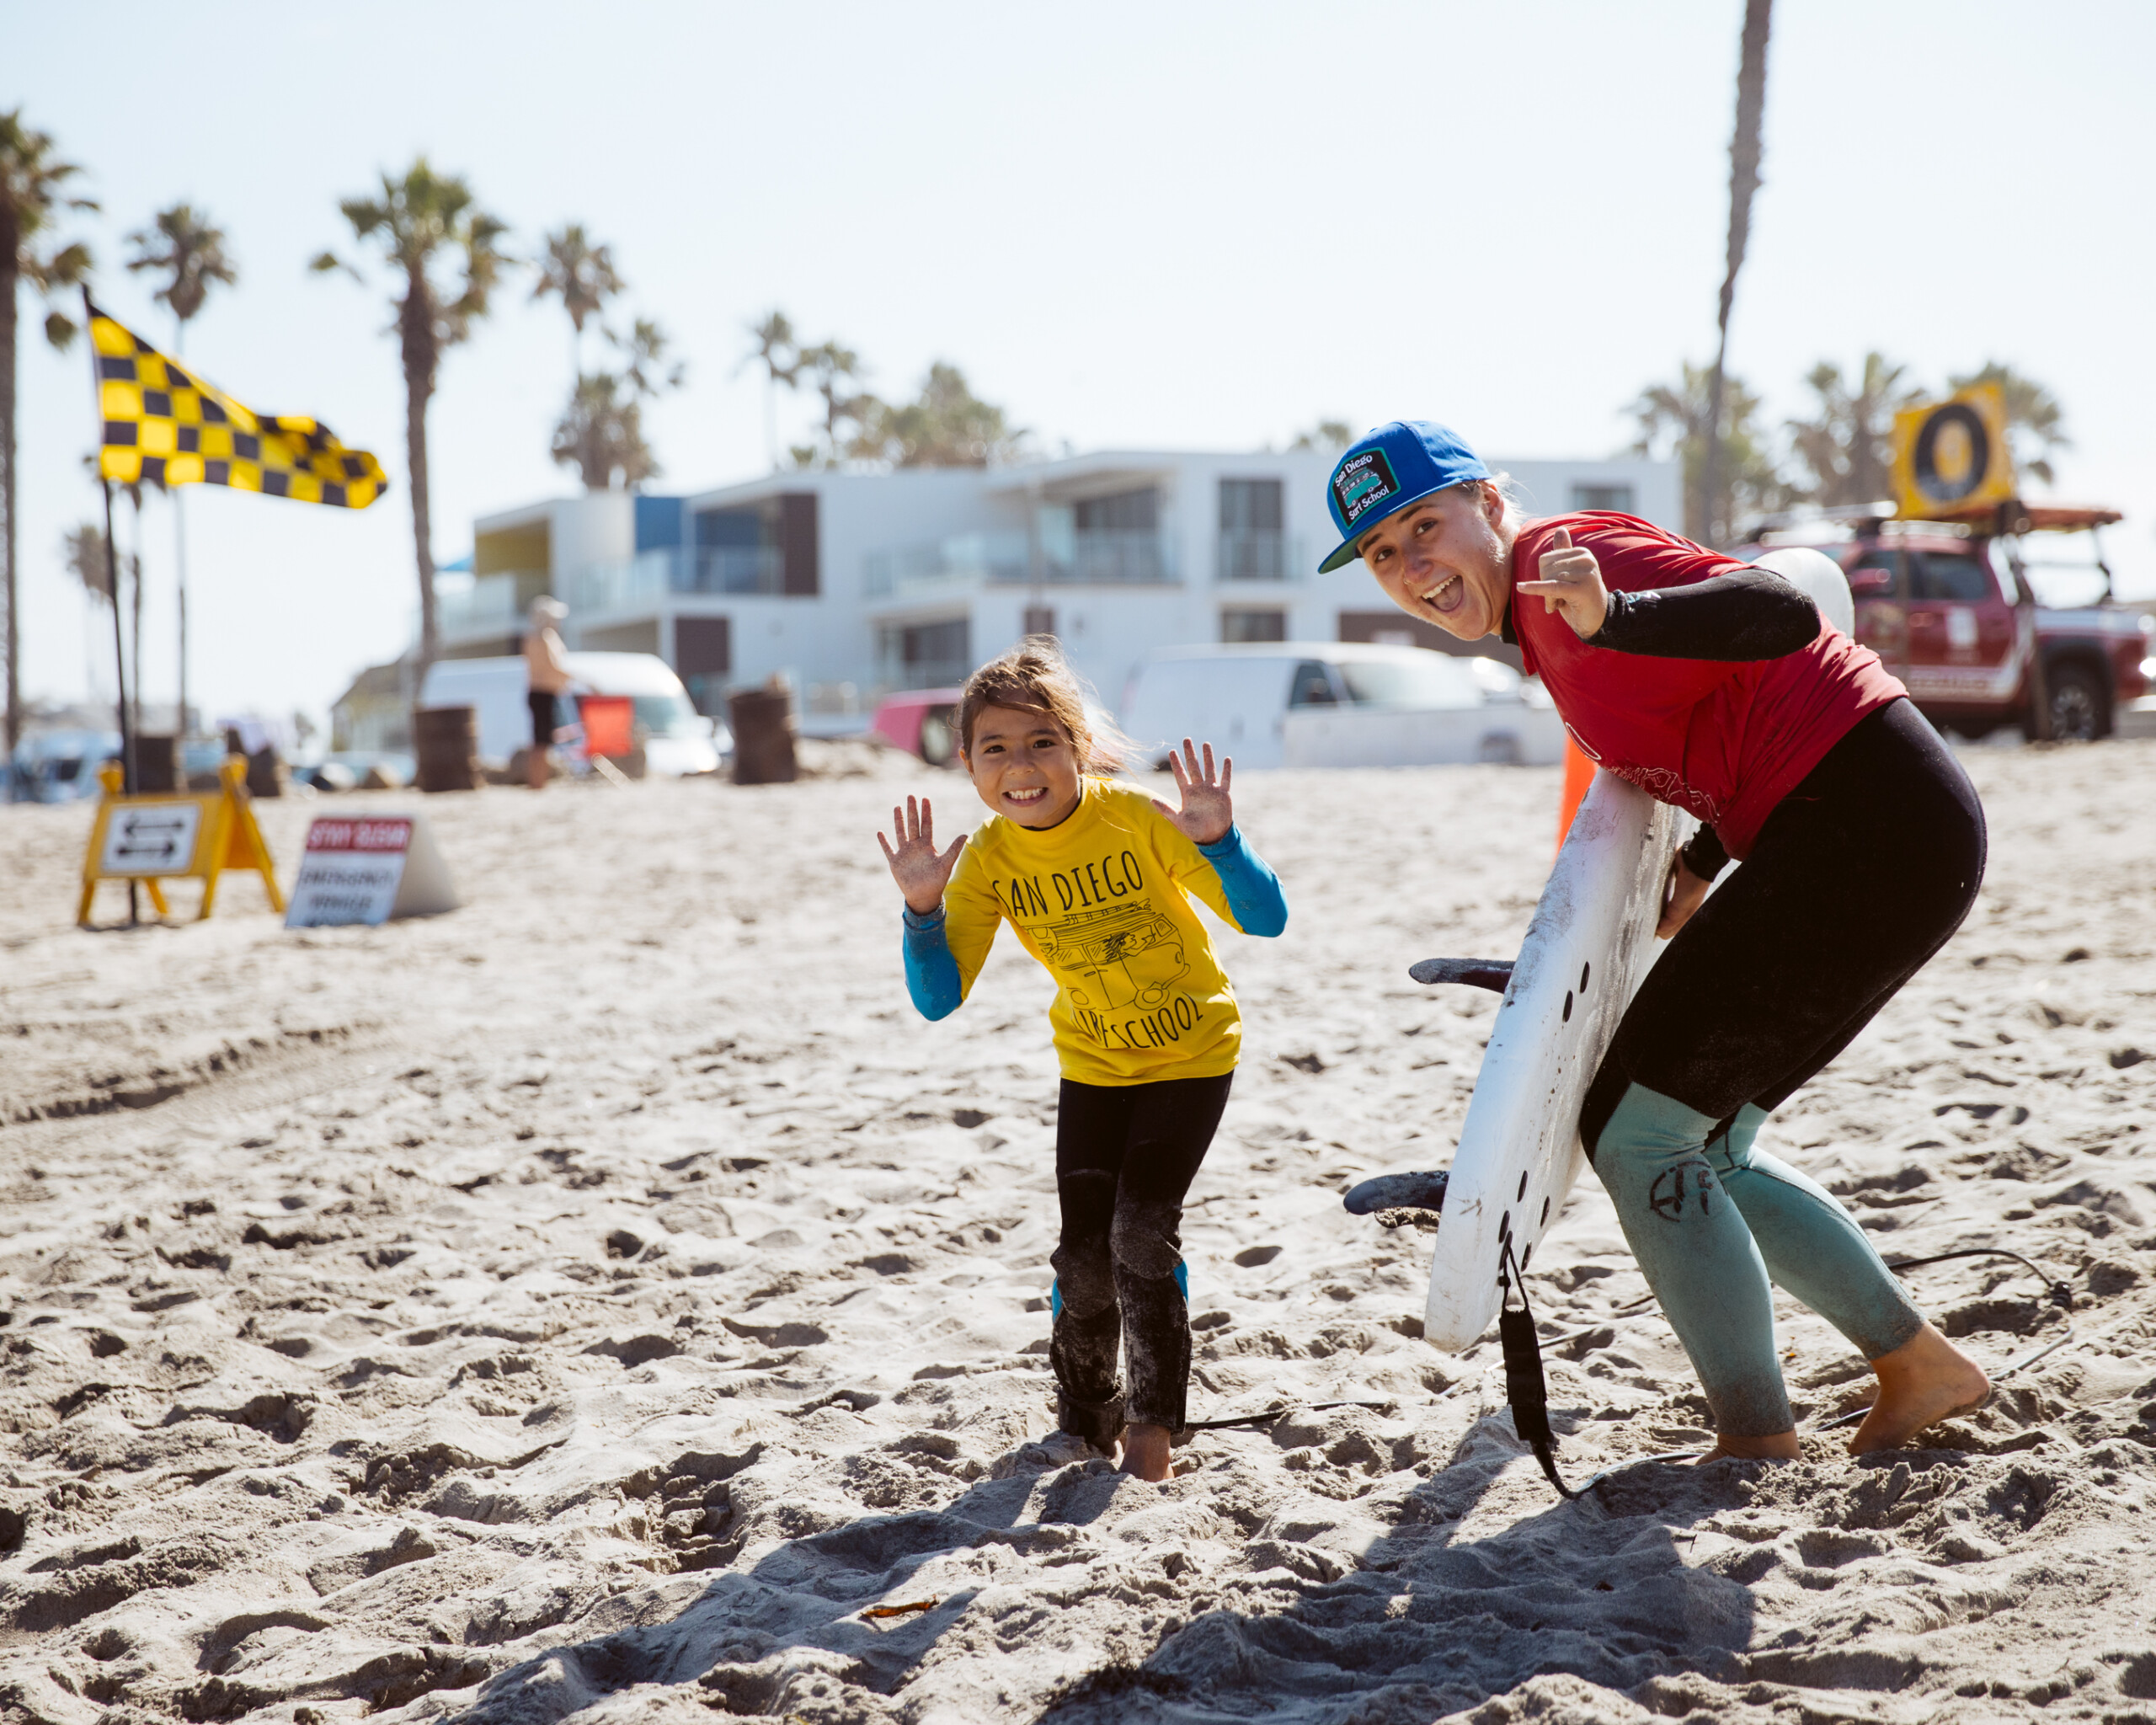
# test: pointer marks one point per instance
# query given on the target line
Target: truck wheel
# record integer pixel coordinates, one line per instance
(2081, 706)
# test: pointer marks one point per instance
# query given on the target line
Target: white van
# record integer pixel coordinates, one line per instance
(677, 739)
(1341, 703)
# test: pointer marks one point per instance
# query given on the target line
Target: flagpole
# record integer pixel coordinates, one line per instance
(112, 587)
(180, 560)
(119, 669)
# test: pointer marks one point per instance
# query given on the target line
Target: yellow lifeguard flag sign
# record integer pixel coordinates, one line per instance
(163, 425)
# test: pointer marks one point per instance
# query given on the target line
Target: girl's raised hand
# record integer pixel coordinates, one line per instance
(920, 872)
(1572, 582)
(1206, 814)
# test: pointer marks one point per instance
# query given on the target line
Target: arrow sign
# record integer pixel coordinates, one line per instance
(155, 838)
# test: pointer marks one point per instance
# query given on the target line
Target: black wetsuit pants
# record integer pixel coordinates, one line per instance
(1124, 1157)
(1860, 874)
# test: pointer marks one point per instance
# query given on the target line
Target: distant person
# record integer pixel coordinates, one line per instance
(1096, 879)
(1716, 687)
(547, 669)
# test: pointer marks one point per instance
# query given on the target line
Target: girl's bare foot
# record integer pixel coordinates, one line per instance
(1146, 1452)
(1923, 1381)
(1775, 1446)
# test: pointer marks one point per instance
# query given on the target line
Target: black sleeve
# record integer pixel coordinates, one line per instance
(1704, 855)
(1747, 614)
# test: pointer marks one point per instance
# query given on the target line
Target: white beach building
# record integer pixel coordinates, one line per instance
(850, 584)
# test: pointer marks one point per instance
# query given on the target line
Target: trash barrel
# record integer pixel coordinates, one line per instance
(446, 741)
(763, 725)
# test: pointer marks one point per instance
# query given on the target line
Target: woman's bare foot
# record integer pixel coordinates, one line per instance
(1923, 1381)
(1146, 1452)
(1775, 1446)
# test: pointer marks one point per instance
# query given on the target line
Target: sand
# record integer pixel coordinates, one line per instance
(591, 1303)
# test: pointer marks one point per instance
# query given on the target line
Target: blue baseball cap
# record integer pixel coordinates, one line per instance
(1391, 468)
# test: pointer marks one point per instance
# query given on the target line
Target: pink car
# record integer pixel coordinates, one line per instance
(919, 722)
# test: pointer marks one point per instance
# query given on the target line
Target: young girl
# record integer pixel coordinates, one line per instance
(1096, 879)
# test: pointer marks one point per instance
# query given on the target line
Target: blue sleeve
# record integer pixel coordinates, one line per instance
(1252, 889)
(931, 973)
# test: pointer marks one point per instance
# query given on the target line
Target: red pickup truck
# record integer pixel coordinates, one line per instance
(1950, 611)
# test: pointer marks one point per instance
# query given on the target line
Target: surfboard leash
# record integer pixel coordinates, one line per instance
(1526, 1389)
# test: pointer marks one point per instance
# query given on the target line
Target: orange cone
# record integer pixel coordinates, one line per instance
(1579, 774)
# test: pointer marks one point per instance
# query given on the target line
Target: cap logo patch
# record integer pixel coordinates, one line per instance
(1363, 482)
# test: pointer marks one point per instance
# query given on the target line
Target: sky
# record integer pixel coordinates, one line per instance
(1198, 225)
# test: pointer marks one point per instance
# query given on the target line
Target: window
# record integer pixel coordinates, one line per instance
(666, 715)
(1256, 625)
(1428, 680)
(1251, 547)
(1612, 497)
(703, 655)
(1040, 620)
(925, 656)
(765, 546)
(1125, 512)
(1876, 574)
(1312, 687)
(1250, 506)
(1948, 574)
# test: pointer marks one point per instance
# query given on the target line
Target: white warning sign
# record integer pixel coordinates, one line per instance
(151, 838)
(368, 870)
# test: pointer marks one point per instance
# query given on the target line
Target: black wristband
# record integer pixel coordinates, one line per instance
(1704, 855)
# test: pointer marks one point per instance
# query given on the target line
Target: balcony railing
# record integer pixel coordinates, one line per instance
(1258, 555)
(1138, 559)
(962, 559)
(924, 673)
(650, 576)
(1135, 558)
(487, 605)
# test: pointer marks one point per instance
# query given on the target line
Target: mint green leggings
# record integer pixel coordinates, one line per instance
(1712, 1220)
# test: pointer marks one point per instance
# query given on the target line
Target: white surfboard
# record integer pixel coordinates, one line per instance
(1589, 945)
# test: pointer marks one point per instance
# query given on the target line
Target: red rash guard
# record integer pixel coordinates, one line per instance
(1724, 740)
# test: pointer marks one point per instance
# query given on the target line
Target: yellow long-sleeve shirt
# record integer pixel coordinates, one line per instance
(1103, 900)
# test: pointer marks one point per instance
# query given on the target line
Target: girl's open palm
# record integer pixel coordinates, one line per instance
(920, 870)
(1206, 812)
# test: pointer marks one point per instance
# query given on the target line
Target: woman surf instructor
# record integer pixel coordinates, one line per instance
(1716, 686)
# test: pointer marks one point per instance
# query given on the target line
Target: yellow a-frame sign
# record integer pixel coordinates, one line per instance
(165, 836)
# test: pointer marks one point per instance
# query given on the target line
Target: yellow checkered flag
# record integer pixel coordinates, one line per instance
(165, 425)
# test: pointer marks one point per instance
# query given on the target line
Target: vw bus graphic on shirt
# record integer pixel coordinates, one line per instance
(1127, 955)
(1107, 901)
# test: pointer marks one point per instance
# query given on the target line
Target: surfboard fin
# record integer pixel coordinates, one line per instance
(1414, 1191)
(1495, 975)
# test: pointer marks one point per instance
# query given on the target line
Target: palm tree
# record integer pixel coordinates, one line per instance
(601, 436)
(2031, 411)
(83, 551)
(832, 366)
(946, 425)
(647, 372)
(1674, 420)
(32, 191)
(1744, 183)
(776, 351)
(602, 432)
(582, 276)
(1334, 435)
(188, 248)
(1848, 448)
(419, 220)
